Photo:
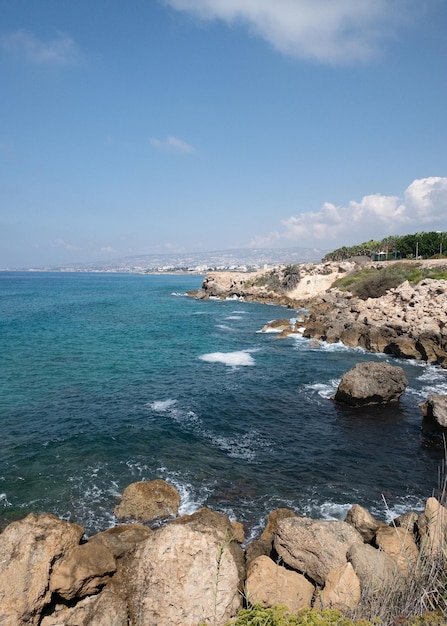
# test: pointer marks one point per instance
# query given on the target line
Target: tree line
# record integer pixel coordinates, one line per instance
(423, 245)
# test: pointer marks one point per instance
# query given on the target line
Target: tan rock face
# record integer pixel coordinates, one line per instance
(271, 585)
(314, 547)
(28, 550)
(371, 383)
(342, 589)
(375, 569)
(181, 575)
(146, 501)
(121, 539)
(400, 545)
(433, 528)
(82, 571)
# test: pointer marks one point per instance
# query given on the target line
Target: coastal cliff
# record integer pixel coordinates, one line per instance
(408, 320)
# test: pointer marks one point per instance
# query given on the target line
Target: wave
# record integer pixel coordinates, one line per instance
(325, 390)
(242, 447)
(162, 405)
(239, 358)
(178, 294)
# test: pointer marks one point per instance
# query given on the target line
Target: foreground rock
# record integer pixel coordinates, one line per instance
(434, 412)
(371, 383)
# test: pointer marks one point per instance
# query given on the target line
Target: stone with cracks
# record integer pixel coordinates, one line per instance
(375, 569)
(29, 548)
(104, 609)
(314, 547)
(341, 591)
(434, 411)
(371, 383)
(181, 574)
(363, 521)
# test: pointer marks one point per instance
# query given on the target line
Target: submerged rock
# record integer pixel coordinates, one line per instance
(371, 383)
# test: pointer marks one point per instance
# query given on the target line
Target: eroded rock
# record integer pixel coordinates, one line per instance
(148, 500)
(371, 383)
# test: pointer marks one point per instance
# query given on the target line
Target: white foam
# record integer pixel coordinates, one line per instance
(178, 294)
(241, 447)
(231, 359)
(325, 390)
(233, 317)
(162, 405)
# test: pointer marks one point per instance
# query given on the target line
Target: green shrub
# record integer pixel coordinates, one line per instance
(278, 616)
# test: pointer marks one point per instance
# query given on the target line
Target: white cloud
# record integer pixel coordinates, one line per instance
(173, 145)
(59, 51)
(424, 205)
(65, 245)
(325, 30)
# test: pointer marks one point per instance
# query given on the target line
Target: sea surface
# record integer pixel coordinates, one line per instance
(106, 379)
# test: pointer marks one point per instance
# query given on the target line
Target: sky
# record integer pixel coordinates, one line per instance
(132, 127)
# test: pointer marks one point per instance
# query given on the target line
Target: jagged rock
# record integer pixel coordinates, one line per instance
(403, 348)
(408, 521)
(375, 569)
(371, 383)
(341, 591)
(363, 522)
(400, 545)
(29, 548)
(314, 547)
(120, 539)
(228, 530)
(181, 574)
(148, 500)
(104, 609)
(434, 411)
(82, 571)
(270, 584)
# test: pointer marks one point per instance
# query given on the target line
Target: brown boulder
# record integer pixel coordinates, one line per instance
(83, 571)
(148, 500)
(371, 383)
(341, 591)
(120, 539)
(270, 584)
(314, 547)
(363, 521)
(434, 411)
(180, 575)
(432, 526)
(399, 543)
(29, 548)
(104, 609)
(375, 569)
(264, 545)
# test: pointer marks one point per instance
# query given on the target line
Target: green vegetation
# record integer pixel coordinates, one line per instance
(374, 282)
(419, 245)
(278, 280)
(278, 616)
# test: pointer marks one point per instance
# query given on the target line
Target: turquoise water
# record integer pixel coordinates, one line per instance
(107, 379)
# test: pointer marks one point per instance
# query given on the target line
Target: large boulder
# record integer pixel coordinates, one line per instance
(83, 571)
(375, 569)
(434, 411)
(264, 544)
(371, 383)
(148, 500)
(341, 591)
(399, 543)
(432, 525)
(104, 609)
(270, 584)
(29, 549)
(181, 574)
(314, 547)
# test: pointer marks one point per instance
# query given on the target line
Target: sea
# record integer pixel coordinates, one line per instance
(107, 379)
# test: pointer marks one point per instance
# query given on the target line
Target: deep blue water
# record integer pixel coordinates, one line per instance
(107, 379)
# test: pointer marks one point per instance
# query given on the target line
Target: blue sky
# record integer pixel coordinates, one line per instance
(156, 126)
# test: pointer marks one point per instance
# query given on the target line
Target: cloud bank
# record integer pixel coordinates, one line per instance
(328, 31)
(60, 51)
(422, 207)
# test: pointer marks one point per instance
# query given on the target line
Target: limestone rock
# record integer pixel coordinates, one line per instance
(314, 547)
(270, 584)
(371, 383)
(120, 539)
(28, 549)
(82, 571)
(400, 545)
(228, 530)
(264, 545)
(434, 411)
(363, 521)
(342, 589)
(180, 575)
(148, 500)
(104, 609)
(374, 568)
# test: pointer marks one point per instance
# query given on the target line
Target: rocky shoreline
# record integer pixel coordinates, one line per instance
(409, 321)
(194, 570)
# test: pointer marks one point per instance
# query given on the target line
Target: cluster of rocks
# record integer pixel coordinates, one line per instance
(194, 570)
(408, 322)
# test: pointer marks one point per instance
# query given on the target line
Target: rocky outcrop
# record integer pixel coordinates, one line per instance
(371, 383)
(193, 569)
(147, 501)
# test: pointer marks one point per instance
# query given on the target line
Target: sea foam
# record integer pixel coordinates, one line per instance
(232, 359)
(162, 405)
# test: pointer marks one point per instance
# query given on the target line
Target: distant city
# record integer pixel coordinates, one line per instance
(242, 259)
